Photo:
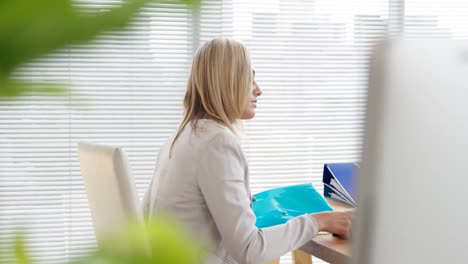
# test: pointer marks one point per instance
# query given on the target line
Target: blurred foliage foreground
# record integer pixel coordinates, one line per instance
(161, 241)
(30, 29)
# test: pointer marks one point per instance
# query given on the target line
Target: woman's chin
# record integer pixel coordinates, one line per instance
(248, 115)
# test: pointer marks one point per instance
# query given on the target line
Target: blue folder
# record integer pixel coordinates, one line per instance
(340, 181)
(277, 206)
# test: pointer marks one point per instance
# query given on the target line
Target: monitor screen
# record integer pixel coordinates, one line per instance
(413, 189)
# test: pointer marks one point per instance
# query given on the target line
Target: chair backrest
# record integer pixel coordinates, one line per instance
(110, 187)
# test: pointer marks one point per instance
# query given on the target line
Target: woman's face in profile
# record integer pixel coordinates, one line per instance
(251, 104)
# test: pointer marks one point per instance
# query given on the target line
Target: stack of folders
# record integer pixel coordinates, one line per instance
(340, 182)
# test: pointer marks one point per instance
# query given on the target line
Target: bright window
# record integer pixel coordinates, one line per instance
(127, 88)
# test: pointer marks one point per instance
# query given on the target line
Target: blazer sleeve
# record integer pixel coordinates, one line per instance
(146, 201)
(221, 177)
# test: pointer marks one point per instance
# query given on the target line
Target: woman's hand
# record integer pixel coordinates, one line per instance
(337, 222)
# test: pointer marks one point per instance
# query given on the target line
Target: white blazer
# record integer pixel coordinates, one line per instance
(205, 184)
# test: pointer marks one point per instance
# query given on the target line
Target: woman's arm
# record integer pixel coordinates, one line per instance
(146, 202)
(220, 176)
(337, 223)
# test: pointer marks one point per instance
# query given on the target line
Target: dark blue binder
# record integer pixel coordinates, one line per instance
(340, 181)
(277, 206)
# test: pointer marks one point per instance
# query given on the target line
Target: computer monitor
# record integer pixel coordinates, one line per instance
(413, 190)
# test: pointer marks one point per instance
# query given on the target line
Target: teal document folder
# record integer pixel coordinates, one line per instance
(277, 206)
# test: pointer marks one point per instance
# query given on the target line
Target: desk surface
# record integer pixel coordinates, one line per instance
(327, 247)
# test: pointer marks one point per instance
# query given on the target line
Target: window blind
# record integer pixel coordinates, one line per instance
(310, 59)
(127, 89)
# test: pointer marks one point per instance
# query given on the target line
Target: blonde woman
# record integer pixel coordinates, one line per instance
(202, 174)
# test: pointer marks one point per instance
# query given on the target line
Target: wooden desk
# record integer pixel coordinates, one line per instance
(325, 246)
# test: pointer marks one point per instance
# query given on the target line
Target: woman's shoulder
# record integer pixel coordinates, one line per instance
(205, 135)
(208, 131)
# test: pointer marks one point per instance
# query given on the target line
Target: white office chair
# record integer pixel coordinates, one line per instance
(110, 187)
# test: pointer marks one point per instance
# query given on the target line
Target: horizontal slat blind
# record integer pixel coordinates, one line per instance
(311, 61)
(127, 88)
(436, 19)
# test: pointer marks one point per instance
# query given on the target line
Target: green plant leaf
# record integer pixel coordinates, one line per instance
(16, 252)
(163, 240)
(30, 29)
(12, 89)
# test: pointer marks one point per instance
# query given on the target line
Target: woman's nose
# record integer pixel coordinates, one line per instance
(257, 90)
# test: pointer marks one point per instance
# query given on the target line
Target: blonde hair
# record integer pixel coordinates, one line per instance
(219, 84)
